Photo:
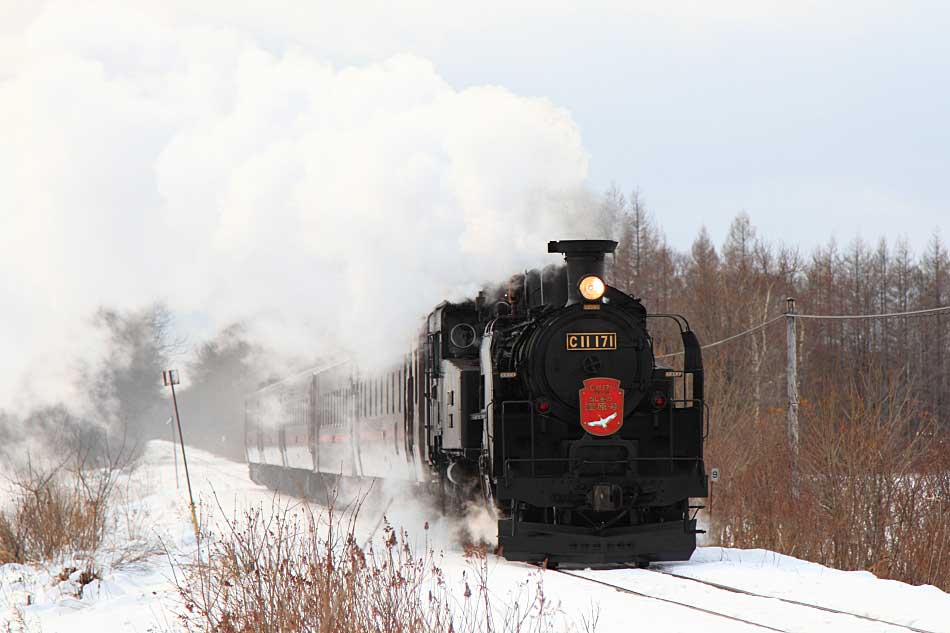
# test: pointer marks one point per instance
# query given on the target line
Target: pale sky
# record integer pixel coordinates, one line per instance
(817, 118)
(269, 160)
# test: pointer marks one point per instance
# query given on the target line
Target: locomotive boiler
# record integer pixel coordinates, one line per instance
(542, 398)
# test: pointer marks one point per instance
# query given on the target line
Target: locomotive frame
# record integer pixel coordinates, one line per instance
(487, 405)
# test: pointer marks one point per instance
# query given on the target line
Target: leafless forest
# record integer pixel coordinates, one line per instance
(869, 485)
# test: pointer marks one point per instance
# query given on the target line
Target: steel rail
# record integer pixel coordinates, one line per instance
(787, 600)
(667, 600)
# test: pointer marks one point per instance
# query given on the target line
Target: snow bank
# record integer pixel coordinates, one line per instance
(142, 597)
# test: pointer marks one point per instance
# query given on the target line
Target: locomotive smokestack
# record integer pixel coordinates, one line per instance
(583, 257)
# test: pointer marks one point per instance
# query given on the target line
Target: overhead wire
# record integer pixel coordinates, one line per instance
(733, 337)
(868, 316)
(796, 315)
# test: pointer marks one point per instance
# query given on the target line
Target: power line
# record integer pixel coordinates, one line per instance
(869, 316)
(815, 316)
(733, 337)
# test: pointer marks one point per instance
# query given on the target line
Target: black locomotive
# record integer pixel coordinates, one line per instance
(544, 398)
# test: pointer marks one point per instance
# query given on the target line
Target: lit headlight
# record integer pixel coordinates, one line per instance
(592, 287)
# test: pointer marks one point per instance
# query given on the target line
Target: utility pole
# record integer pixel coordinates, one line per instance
(792, 378)
(170, 379)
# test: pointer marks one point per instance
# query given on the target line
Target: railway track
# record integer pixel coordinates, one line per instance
(686, 605)
(781, 612)
(809, 605)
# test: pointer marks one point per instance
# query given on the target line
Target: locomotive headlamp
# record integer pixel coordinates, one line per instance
(592, 287)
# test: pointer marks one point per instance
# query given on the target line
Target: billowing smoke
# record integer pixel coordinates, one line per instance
(325, 207)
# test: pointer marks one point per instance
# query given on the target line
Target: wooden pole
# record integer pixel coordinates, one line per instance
(792, 381)
(792, 375)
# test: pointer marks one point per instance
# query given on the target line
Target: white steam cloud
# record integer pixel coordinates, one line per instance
(147, 159)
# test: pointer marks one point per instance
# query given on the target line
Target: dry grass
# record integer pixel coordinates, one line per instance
(17, 622)
(871, 488)
(288, 570)
(67, 512)
(53, 515)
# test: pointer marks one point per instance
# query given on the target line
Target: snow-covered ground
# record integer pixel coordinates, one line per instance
(142, 597)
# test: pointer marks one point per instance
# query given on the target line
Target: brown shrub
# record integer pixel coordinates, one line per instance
(9, 544)
(59, 510)
(867, 491)
(287, 570)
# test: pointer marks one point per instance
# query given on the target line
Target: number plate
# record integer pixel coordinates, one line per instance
(585, 341)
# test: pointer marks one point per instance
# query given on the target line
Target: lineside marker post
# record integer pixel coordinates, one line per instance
(174, 451)
(170, 379)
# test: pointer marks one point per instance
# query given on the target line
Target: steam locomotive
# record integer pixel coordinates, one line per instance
(543, 398)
